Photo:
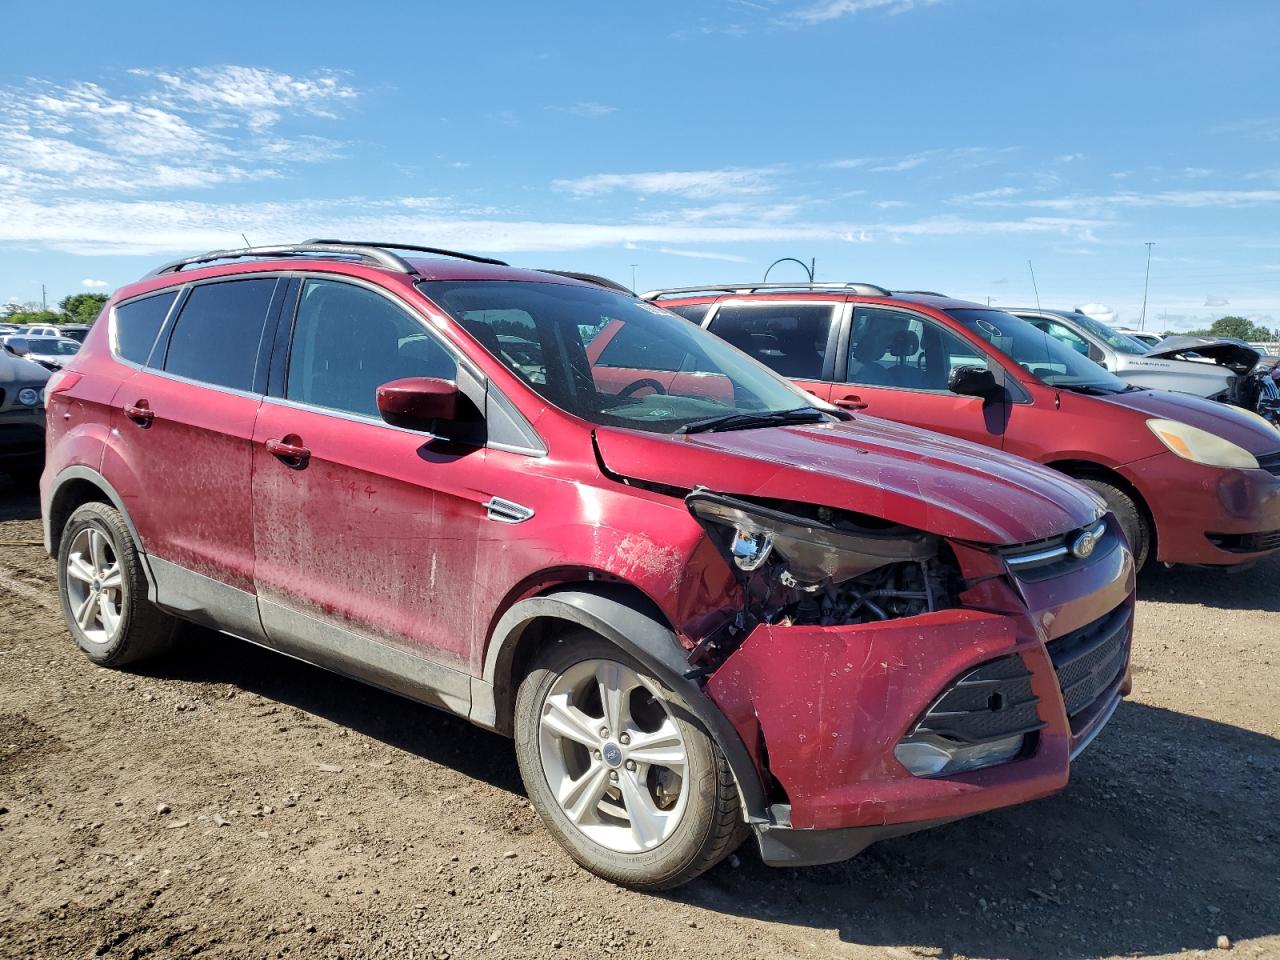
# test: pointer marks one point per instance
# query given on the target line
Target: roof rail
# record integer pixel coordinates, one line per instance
(591, 278)
(373, 254)
(369, 255)
(866, 289)
(439, 251)
(923, 293)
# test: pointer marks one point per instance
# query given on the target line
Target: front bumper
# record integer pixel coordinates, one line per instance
(822, 708)
(1208, 515)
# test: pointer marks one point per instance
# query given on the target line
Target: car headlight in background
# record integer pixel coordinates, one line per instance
(29, 397)
(1200, 446)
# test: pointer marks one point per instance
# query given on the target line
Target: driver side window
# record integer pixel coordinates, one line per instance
(893, 348)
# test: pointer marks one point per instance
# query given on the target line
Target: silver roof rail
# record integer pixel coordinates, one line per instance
(372, 254)
(838, 286)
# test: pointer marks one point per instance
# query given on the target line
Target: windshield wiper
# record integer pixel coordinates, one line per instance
(1091, 389)
(748, 421)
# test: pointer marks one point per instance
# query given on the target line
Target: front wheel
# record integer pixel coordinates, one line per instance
(633, 790)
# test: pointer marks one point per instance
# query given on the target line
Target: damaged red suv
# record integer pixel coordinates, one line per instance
(701, 613)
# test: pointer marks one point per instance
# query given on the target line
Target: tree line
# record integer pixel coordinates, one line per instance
(76, 308)
(1238, 328)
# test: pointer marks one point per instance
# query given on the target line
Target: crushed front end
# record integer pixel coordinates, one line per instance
(887, 680)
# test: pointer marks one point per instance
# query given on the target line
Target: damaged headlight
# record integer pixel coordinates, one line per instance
(811, 552)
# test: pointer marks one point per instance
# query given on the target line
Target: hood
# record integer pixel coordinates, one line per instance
(1238, 356)
(1220, 419)
(908, 476)
(20, 370)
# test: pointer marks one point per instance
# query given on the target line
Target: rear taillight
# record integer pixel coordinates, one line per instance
(61, 380)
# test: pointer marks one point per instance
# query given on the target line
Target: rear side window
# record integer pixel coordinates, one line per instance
(217, 335)
(791, 338)
(693, 312)
(137, 324)
(349, 341)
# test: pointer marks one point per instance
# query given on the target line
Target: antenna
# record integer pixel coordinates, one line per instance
(1033, 283)
(246, 240)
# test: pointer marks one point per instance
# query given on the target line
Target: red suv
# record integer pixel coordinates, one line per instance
(1190, 480)
(701, 611)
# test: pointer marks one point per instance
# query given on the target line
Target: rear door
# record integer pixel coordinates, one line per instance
(897, 366)
(184, 424)
(796, 339)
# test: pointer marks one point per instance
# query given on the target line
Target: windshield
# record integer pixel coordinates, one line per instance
(1120, 342)
(1036, 352)
(612, 359)
(47, 346)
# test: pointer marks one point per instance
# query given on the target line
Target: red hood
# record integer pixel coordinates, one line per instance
(905, 475)
(1220, 419)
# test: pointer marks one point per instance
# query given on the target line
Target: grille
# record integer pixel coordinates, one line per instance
(1246, 542)
(1052, 556)
(1089, 662)
(991, 702)
(1271, 463)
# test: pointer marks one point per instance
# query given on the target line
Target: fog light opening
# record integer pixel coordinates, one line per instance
(932, 756)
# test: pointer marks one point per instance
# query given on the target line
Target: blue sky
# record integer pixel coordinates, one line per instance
(912, 143)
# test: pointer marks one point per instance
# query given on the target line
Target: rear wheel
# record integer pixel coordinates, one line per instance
(1128, 514)
(104, 591)
(631, 789)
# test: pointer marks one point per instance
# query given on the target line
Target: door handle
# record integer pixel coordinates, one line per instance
(140, 413)
(292, 455)
(852, 402)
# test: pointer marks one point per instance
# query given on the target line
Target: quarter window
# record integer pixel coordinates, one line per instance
(890, 348)
(789, 337)
(218, 334)
(137, 324)
(348, 341)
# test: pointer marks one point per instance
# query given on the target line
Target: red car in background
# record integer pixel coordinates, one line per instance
(1191, 481)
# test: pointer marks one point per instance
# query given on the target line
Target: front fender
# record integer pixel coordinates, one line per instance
(621, 617)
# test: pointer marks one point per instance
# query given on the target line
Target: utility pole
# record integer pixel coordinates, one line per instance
(1142, 321)
(633, 275)
(44, 300)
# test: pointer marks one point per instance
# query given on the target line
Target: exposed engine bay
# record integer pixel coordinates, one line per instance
(807, 565)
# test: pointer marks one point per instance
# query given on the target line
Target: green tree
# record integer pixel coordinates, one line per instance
(1238, 327)
(28, 317)
(82, 307)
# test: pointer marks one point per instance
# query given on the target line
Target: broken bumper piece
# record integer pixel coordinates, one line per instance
(827, 712)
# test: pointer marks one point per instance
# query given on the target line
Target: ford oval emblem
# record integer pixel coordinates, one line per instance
(1083, 545)
(612, 755)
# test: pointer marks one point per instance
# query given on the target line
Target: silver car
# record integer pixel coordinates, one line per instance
(1216, 369)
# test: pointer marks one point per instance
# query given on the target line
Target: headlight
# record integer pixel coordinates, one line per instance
(28, 397)
(811, 552)
(1200, 446)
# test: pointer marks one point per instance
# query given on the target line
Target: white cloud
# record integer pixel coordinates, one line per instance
(1189, 199)
(689, 183)
(835, 9)
(704, 255)
(94, 284)
(983, 195)
(586, 108)
(1212, 301)
(890, 204)
(898, 166)
(195, 129)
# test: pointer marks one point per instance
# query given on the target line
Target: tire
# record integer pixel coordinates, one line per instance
(136, 629)
(1129, 515)
(662, 847)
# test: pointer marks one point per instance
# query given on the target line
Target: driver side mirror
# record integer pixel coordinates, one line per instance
(974, 382)
(17, 349)
(415, 403)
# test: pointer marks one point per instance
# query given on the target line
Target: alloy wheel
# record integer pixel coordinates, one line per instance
(95, 585)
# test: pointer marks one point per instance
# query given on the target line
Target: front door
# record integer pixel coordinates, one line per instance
(898, 366)
(366, 534)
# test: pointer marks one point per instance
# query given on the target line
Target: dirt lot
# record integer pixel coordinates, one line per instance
(228, 802)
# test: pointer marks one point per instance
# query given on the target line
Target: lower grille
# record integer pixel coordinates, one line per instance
(1246, 542)
(1090, 661)
(991, 702)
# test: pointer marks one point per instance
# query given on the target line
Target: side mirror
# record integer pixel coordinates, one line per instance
(974, 382)
(18, 349)
(416, 402)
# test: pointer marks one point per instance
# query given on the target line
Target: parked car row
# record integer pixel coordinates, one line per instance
(51, 353)
(706, 593)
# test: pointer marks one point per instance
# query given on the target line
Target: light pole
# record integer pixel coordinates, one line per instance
(1146, 284)
(633, 275)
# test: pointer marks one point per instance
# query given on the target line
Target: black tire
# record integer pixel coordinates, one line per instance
(144, 630)
(1129, 515)
(712, 825)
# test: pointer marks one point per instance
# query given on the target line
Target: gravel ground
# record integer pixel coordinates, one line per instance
(228, 802)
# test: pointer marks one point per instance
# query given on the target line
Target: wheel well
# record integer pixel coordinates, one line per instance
(1084, 469)
(70, 497)
(513, 664)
